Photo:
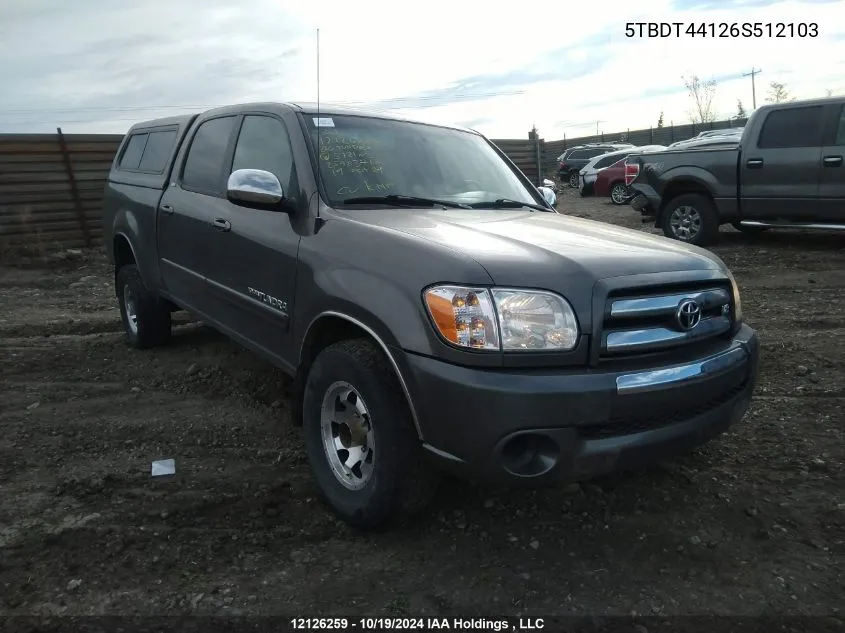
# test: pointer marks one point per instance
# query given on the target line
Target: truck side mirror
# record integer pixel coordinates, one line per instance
(549, 195)
(254, 187)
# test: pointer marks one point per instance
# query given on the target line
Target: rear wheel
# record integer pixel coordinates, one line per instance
(359, 437)
(573, 180)
(691, 218)
(619, 193)
(145, 316)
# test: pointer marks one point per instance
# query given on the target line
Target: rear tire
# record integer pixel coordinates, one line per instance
(361, 443)
(145, 316)
(573, 180)
(691, 218)
(619, 193)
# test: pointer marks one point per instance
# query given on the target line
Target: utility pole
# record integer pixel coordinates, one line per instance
(752, 74)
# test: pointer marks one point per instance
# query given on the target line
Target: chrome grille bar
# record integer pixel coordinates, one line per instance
(662, 304)
(620, 341)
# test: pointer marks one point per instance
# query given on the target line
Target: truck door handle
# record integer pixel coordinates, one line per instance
(166, 208)
(832, 161)
(221, 225)
(754, 163)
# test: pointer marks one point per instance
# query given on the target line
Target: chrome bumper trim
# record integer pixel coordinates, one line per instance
(680, 374)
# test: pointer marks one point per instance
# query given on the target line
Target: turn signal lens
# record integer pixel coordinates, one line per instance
(464, 316)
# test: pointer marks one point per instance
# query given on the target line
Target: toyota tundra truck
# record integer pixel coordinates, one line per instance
(786, 171)
(434, 310)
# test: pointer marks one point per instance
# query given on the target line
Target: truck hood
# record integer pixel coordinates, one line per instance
(518, 246)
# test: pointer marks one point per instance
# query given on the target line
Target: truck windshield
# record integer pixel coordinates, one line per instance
(370, 158)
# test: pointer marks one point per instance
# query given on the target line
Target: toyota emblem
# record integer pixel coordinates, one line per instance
(688, 314)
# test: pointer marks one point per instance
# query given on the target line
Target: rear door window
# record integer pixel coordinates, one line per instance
(203, 168)
(596, 151)
(840, 128)
(607, 161)
(792, 127)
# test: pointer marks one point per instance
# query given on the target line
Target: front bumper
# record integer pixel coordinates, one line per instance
(542, 426)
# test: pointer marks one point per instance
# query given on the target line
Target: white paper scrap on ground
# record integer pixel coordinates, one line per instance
(164, 467)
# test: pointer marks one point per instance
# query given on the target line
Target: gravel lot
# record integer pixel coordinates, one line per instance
(752, 523)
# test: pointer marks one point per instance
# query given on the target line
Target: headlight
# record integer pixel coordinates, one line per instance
(502, 319)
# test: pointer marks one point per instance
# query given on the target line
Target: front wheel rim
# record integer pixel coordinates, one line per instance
(618, 194)
(685, 222)
(348, 435)
(131, 309)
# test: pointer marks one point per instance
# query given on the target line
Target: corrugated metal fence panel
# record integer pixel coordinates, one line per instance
(523, 153)
(38, 208)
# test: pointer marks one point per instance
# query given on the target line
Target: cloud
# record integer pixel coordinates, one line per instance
(100, 65)
(580, 60)
(112, 61)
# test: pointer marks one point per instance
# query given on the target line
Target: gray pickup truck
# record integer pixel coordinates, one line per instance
(434, 310)
(786, 171)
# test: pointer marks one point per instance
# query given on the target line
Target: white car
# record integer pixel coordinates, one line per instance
(707, 141)
(588, 174)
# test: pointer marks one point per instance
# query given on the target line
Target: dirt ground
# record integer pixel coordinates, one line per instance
(752, 523)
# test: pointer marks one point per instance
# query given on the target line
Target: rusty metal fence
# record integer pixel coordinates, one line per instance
(51, 187)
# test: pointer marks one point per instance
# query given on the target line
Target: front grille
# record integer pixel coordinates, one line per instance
(646, 321)
(626, 424)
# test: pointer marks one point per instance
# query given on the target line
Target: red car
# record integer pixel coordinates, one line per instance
(611, 182)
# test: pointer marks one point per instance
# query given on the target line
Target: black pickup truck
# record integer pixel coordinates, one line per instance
(787, 171)
(433, 308)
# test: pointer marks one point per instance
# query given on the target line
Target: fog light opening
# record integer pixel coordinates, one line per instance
(529, 455)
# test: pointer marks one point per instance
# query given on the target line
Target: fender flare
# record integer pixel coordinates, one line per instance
(380, 342)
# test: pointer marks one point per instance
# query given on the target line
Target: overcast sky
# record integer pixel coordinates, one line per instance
(500, 67)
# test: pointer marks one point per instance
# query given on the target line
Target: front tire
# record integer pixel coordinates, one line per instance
(691, 218)
(145, 316)
(359, 437)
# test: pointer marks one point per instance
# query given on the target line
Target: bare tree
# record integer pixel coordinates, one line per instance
(828, 93)
(660, 120)
(778, 93)
(740, 111)
(702, 93)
